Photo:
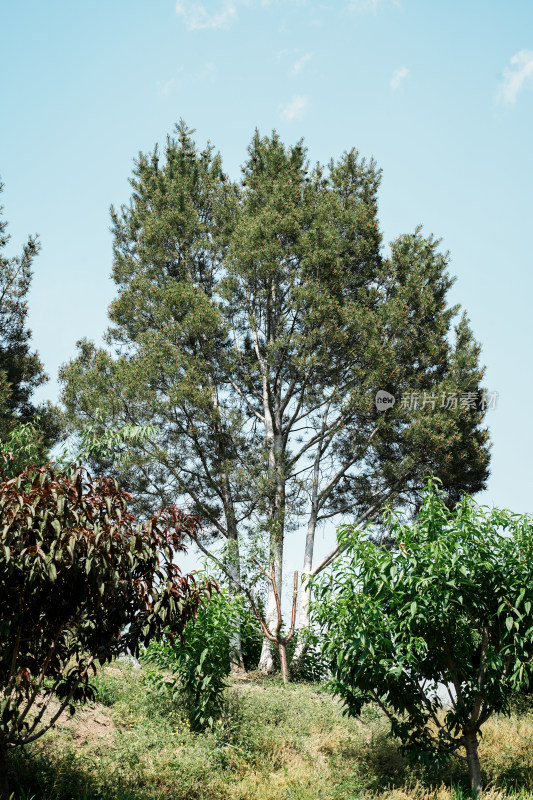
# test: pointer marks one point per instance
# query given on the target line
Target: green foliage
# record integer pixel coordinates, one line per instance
(106, 688)
(165, 323)
(249, 311)
(314, 667)
(95, 444)
(449, 604)
(251, 640)
(200, 661)
(22, 446)
(272, 741)
(76, 570)
(101, 446)
(30, 429)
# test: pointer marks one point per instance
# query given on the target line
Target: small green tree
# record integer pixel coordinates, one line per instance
(80, 583)
(22, 446)
(448, 608)
(201, 660)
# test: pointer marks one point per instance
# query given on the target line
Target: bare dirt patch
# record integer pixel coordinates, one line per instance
(91, 722)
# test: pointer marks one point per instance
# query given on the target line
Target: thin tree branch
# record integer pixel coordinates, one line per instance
(247, 401)
(369, 513)
(331, 483)
(28, 739)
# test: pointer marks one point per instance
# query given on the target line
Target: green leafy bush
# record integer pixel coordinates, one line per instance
(450, 606)
(23, 446)
(200, 662)
(81, 582)
(314, 667)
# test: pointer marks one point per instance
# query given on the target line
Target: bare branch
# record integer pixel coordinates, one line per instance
(247, 401)
(368, 514)
(331, 483)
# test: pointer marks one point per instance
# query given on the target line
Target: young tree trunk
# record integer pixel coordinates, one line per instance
(472, 757)
(304, 621)
(276, 519)
(305, 593)
(234, 557)
(234, 568)
(236, 659)
(283, 662)
(4, 787)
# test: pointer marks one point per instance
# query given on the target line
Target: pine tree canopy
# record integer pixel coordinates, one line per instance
(254, 323)
(21, 370)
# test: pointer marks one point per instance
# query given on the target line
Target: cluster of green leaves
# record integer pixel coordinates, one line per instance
(81, 581)
(449, 606)
(23, 445)
(201, 660)
(99, 445)
(26, 430)
(314, 666)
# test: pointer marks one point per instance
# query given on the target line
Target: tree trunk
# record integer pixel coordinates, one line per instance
(276, 519)
(234, 568)
(4, 786)
(474, 769)
(266, 662)
(236, 659)
(305, 593)
(283, 662)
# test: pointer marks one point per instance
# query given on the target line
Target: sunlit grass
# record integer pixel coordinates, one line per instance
(273, 743)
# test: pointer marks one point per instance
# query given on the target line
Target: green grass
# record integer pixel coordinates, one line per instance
(273, 743)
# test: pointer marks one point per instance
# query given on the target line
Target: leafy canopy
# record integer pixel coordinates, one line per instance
(81, 582)
(28, 431)
(448, 606)
(253, 324)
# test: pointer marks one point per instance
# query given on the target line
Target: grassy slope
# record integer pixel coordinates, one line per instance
(274, 742)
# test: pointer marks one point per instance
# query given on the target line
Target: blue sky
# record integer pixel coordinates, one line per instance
(440, 94)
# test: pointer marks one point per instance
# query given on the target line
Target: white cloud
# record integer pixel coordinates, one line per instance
(368, 5)
(221, 13)
(197, 16)
(209, 72)
(164, 88)
(398, 77)
(296, 108)
(517, 76)
(300, 64)
(364, 5)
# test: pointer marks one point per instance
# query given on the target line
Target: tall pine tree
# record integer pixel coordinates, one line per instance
(28, 429)
(254, 324)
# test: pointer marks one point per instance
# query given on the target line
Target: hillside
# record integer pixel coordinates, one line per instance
(274, 743)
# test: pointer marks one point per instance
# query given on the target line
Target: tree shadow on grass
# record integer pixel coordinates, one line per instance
(382, 766)
(32, 776)
(516, 775)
